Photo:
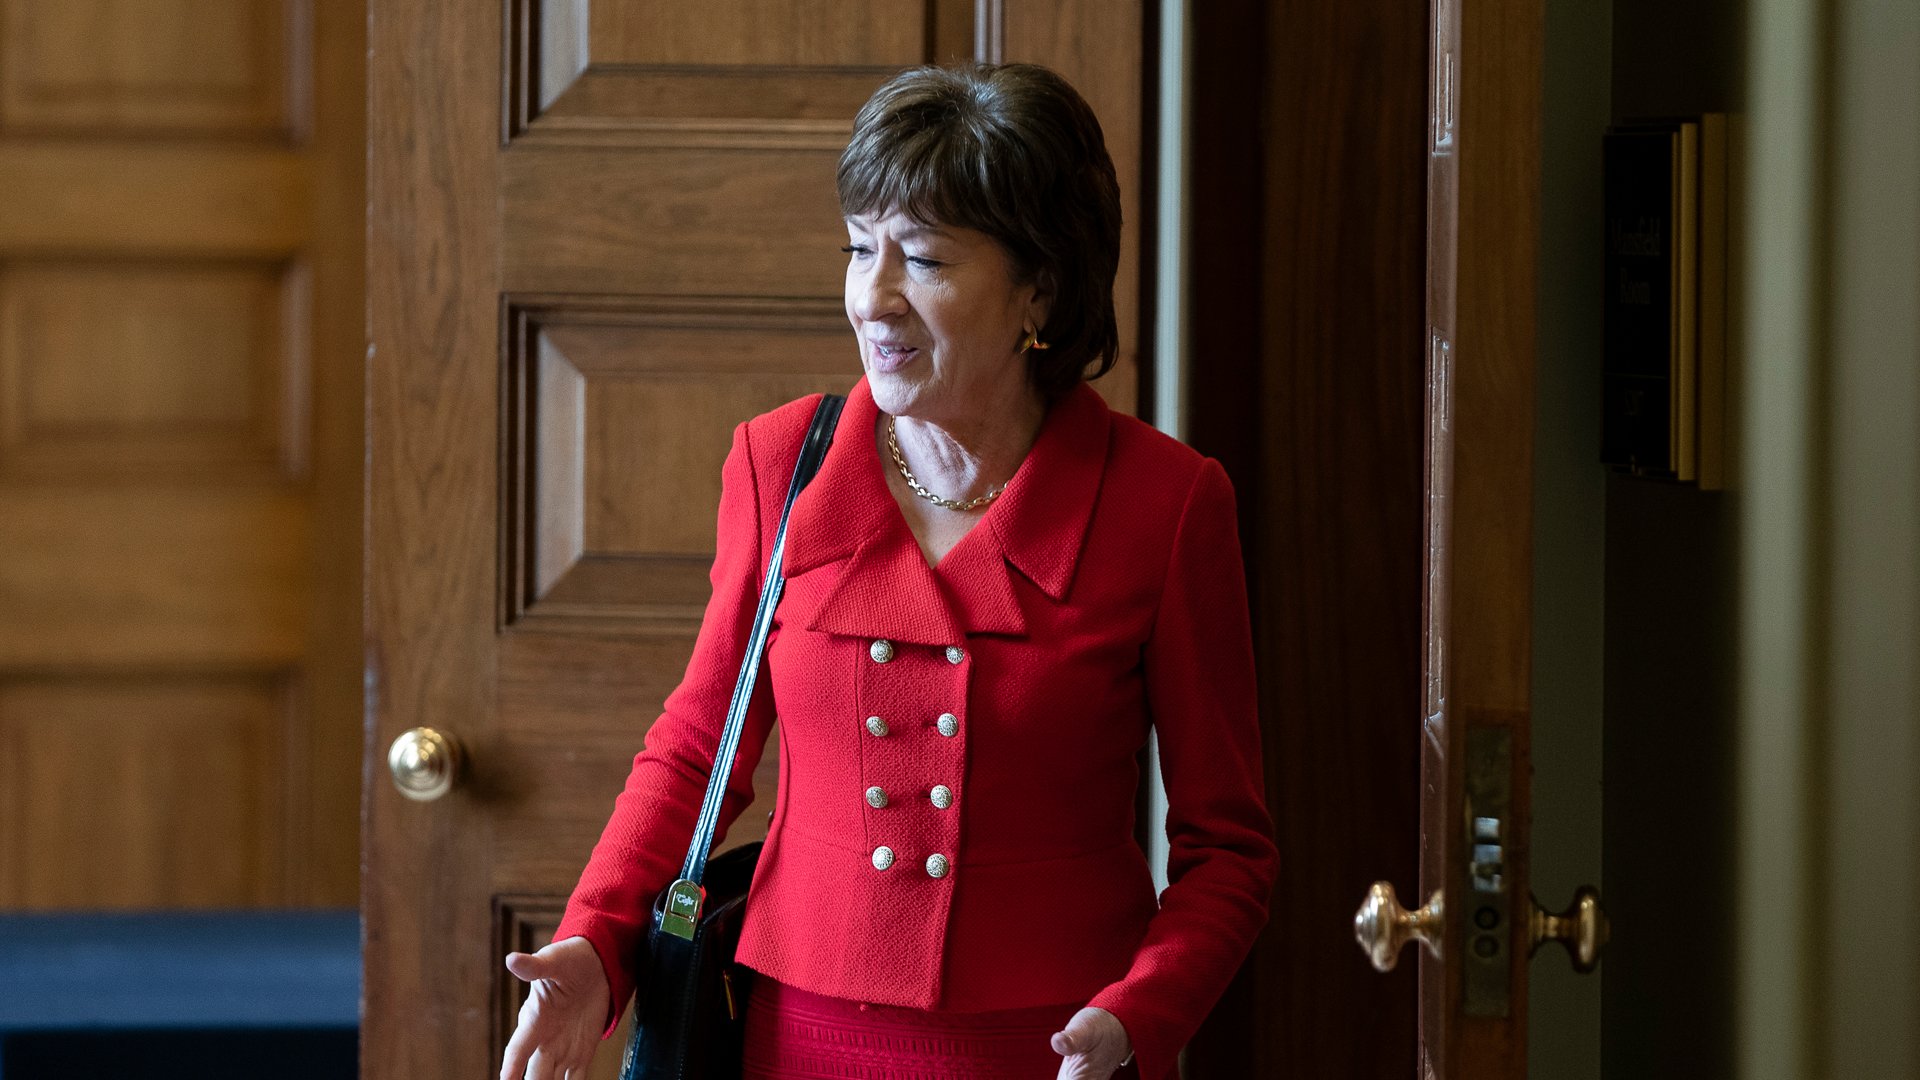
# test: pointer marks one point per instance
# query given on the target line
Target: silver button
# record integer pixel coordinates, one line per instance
(936, 866)
(942, 796)
(876, 725)
(881, 651)
(949, 724)
(955, 654)
(876, 796)
(882, 857)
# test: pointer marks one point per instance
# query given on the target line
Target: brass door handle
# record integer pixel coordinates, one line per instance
(1582, 928)
(1383, 927)
(425, 763)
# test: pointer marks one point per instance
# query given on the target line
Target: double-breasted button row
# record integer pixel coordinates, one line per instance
(948, 725)
(938, 865)
(941, 796)
(882, 651)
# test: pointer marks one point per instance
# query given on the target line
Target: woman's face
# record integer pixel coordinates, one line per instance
(938, 317)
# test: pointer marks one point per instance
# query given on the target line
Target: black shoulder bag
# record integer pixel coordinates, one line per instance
(691, 1006)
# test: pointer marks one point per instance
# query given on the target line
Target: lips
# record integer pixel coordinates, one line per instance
(890, 357)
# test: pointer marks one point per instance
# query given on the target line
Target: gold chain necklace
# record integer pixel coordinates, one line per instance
(893, 445)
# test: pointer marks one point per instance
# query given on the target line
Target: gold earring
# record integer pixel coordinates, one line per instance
(1032, 341)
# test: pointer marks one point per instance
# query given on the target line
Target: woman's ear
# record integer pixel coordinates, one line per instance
(1040, 302)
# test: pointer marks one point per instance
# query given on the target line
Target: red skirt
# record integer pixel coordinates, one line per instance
(793, 1034)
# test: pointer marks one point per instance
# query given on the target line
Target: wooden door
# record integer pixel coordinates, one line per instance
(180, 447)
(1482, 230)
(602, 232)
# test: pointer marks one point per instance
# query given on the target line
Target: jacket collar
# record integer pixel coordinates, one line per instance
(887, 590)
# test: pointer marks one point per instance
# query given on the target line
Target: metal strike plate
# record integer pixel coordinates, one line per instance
(1488, 909)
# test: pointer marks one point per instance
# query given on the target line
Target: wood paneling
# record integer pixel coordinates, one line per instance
(162, 199)
(671, 221)
(796, 33)
(181, 346)
(143, 792)
(136, 67)
(1306, 355)
(130, 369)
(619, 419)
(795, 70)
(333, 674)
(167, 575)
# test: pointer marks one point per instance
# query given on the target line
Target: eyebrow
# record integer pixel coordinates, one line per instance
(916, 229)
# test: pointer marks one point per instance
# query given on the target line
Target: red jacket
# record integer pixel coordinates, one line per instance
(1103, 593)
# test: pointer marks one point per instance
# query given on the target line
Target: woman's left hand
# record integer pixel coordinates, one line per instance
(1093, 1046)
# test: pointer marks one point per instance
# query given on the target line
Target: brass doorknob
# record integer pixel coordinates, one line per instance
(424, 762)
(1582, 928)
(1382, 926)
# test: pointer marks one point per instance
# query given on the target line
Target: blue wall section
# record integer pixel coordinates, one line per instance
(185, 993)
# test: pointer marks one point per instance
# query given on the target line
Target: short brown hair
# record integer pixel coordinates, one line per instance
(1013, 151)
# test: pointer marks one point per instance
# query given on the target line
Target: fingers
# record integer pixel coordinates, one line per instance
(1091, 1046)
(527, 966)
(513, 1062)
(550, 1064)
(547, 1044)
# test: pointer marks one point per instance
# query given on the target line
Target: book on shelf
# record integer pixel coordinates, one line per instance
(1641, 427)
(1664, 329)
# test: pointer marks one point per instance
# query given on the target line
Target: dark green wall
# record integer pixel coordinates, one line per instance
(1670, 603)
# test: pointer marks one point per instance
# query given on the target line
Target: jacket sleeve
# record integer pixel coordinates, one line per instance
(1222, 861)
(645, 840)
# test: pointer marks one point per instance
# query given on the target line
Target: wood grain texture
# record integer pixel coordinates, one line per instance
(589, 220)
(116, 370)
(138, 67)
(1491, 577)
(1307, 350)
(166, 576)
(66, 196)
(759, 33)
(618, 417)
(334, 672)
(433, 81)
(133, 793)
(180, 336)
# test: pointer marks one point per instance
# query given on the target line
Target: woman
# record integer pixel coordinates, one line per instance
(995, 587)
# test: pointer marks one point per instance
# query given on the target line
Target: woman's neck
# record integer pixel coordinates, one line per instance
(962, 457)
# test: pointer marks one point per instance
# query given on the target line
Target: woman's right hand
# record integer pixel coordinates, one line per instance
(566, 1011)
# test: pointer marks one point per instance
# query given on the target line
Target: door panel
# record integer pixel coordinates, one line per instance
(204, 68)
(593, 253)
(181, 313)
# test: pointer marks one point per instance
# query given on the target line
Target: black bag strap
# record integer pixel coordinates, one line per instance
(819, 437)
